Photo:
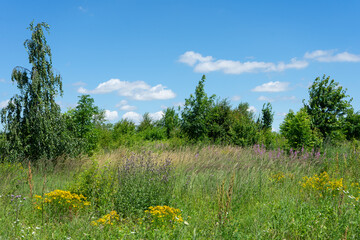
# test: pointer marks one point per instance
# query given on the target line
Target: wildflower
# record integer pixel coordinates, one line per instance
(323, 183)
(164, 215)
(60, 200)
(108, 219)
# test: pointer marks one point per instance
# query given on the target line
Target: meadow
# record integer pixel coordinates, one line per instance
(157, 191)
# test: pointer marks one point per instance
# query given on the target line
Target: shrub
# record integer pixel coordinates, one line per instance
(296, 128)
(142, 182)
(323, 184)
(164, 216)
(12, 176)
(59, 203)
(97, 184)
(107, 220)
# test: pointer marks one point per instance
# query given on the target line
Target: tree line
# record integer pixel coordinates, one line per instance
(35, 128)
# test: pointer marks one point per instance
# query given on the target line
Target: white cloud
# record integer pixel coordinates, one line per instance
(235, 98)
(122, 103)
(272, 87)
(266, 99)
(128, 108)
(190, 58)
(156, 116)
(4, 103)
(330, 56)
(111, 115)
(252, 109)
(82, 90)
(284, 98)
(124, 106)
(2, 80)
(132, 116)
(79, 84)
(138, 90)
(281, 114)
(208, 64)
(289, 98)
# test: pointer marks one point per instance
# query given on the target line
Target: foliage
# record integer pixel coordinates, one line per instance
(124, 133)
(196, 112)
(32, 119)
(170, 121)
(352, 125)
(267, 116)
(107, 220)
(164, 216)
(220, 122)
(97, 184)
(60, 203)
(297, 129)
(327, 105)
(12, 177)
(323, 185)
(142, 182)
(244, 130)
(83, 121)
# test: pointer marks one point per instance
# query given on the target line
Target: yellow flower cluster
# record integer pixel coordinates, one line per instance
(323, 183)
(108, 219)
(280, 176)
(62, 199)
(165, 214)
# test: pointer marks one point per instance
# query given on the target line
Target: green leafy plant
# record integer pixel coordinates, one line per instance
(32, 119)
(142, 182)
(298, 131)
(327, 105)
(196, 112)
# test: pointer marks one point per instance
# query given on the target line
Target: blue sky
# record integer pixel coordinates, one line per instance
(137, 56)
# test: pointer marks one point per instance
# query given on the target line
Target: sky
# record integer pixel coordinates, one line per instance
(138, 56)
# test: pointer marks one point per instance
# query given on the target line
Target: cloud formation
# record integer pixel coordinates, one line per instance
(272, 87)
(283, 98)
(252, 109)
(235, 98)
(266, 99)
(209, 64)
(330, 56)
(4, 104)
(156, 116)
(138, 90)
(124, 106)
(132, 116)
(137, 118)
(79, 84)
(111, 115)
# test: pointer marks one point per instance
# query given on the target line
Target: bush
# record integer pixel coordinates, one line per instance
(97, 184)
(143, 182)
(296, 128)
(60, 203)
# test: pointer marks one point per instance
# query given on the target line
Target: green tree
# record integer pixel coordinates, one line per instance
(32, 120)
(352, 125)
(220, 122)
(327, 105)
(84, 122)
(170, 121)
(298, 131)
(267, 116)
(196, 113)
(244, 131)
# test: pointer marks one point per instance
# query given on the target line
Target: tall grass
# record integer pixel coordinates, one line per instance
(222, 193)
